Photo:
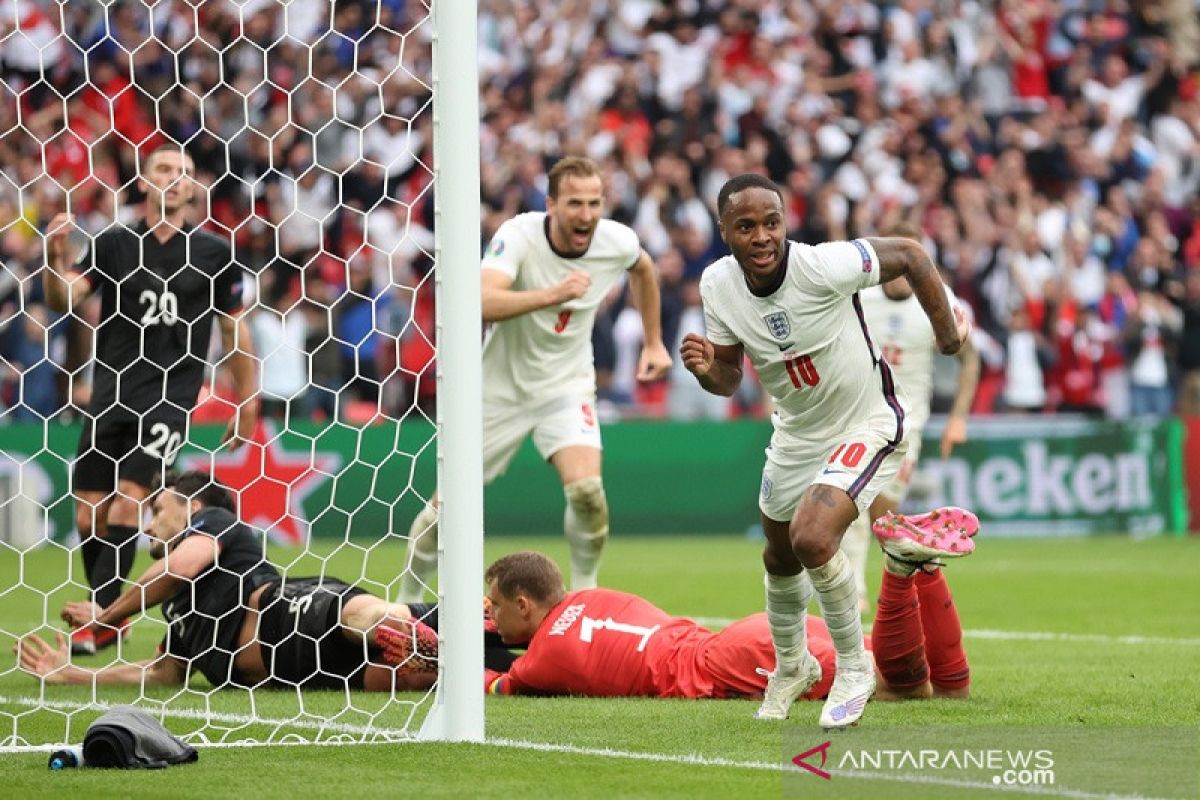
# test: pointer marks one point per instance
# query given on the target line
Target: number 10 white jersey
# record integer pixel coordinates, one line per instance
(808, 341)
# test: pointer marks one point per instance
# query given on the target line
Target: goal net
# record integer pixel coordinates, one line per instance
(316, 129)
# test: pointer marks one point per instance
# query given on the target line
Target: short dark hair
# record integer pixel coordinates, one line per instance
(166, 148)
(197, 485)
(747, 180)
(529, 573)
(573, 166)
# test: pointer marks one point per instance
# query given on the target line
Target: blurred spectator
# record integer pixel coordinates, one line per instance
(1189, 347)
(687, 399)
(279, 331)
(1025, 389)
(1150, 340)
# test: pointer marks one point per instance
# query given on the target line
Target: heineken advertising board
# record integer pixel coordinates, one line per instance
(1048, 476)
(1023, 476)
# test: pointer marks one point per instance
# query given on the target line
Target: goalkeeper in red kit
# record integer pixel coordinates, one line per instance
(606, 643)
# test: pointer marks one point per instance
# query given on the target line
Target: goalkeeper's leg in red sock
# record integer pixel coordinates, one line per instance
(949, 671)
(898, 642)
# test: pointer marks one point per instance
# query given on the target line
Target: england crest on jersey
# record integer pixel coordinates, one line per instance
(778, 324)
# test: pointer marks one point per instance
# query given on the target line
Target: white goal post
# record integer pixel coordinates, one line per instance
(457, 714)
(349, 480)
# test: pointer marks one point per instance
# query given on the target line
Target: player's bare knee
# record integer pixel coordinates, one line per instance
(812, 544)
(125, 511)
(85, 520)
(780, 561)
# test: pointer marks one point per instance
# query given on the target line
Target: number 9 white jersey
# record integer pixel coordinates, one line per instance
(808, 341)
(547, 353)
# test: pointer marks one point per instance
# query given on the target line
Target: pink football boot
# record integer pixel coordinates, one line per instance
(924, 538)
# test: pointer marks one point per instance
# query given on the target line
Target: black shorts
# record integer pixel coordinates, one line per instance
(299, 631)
(117, 445)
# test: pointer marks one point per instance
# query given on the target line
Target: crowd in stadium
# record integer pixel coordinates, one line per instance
(1048, 149)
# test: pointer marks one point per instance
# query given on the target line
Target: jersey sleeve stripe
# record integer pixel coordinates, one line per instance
(888, 385)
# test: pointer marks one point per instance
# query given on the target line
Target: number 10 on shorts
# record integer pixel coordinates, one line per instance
(850, 454)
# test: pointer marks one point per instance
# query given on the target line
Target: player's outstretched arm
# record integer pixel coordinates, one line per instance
(955, 432)
(717, 367)
(162, 579)
(655, 361)
(899, 256)
(64, 287)
(52, 664)
(500, 301)
(235, 338)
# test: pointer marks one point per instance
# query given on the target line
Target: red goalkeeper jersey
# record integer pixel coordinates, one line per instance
(605, 643)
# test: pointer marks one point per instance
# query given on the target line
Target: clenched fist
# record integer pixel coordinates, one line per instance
(698, 354)
(962, 330)
(572, 287)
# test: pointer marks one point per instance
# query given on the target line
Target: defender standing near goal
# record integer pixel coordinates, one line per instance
(160, 285)
(905, 338)
(544, 277)
(839, 425)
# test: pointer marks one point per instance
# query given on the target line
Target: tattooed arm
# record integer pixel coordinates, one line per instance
(898, 257)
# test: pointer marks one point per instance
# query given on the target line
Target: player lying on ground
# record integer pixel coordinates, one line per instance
(605, 643)
(232, 617)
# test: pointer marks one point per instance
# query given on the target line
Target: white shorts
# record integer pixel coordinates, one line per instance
(861, 463)
(897, 490)
(564, 422)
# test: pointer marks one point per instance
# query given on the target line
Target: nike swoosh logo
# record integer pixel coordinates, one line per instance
(785, 347)
(835, 472)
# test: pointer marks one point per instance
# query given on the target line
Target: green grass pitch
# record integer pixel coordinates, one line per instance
(1092, 633)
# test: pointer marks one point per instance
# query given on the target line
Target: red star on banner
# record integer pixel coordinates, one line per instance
(270, 482)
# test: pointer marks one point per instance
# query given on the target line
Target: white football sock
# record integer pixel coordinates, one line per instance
(585, 524)
(834, 584)
(855, 544)
(787, 614)
(422, 556)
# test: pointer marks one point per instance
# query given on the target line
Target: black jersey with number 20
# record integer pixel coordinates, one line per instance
(157, 301)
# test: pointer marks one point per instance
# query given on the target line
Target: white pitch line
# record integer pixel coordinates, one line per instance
(1101, 638)
(1027, 636)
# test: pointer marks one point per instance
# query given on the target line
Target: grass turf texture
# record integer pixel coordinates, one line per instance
(1109, 587)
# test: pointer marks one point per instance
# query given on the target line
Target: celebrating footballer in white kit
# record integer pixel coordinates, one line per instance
(905, 338)
(793, 309)
(545, 275)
